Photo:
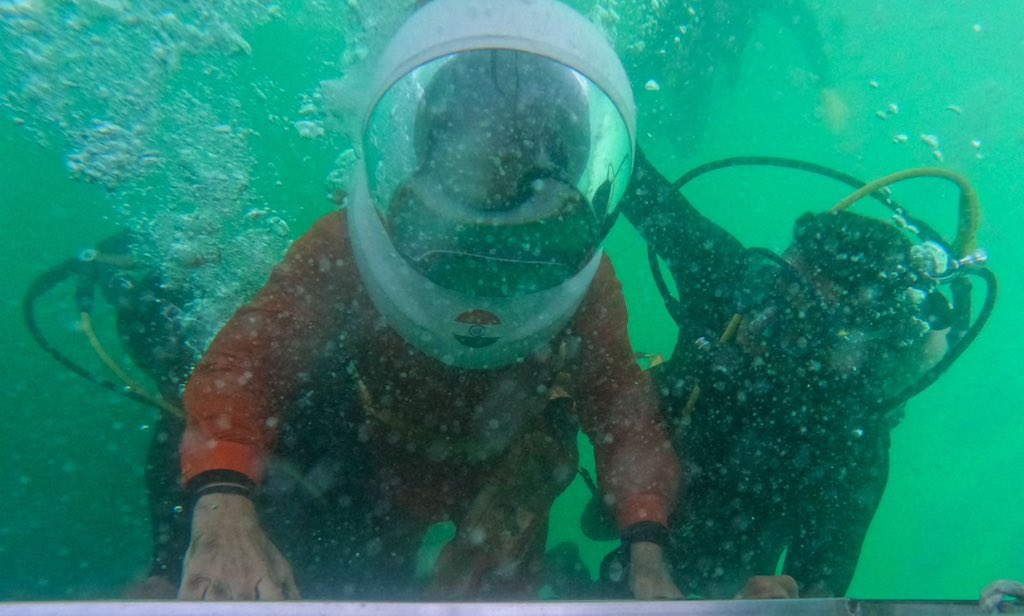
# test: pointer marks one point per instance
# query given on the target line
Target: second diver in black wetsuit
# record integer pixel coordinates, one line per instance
(781, 393)
(146, 314)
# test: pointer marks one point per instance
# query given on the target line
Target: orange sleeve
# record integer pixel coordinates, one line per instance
(235, 396)
(636, 464)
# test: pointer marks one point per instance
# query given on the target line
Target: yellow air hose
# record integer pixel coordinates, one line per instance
(970, 209)
(134, 387)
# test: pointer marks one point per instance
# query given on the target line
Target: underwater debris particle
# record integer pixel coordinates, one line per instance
(873, 84)
(234, 41)
(976, 144)
(900, 138)
(278, 226)
(955, 109)
(308, 129)
(17, 7)
(938, 155)
(881, 115)
(150, 157)
(977, 27)
(477, 535)
(652, 86)
(931, 140)
(893, 108)
(915, 296)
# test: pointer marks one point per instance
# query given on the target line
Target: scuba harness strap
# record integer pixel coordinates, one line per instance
(691, 401)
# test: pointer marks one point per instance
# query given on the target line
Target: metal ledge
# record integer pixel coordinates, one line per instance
(796, 607)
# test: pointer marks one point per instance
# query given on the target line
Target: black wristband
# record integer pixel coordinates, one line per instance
(647, 532)
(220, 482)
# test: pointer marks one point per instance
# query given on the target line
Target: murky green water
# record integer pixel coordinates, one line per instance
(177, 123)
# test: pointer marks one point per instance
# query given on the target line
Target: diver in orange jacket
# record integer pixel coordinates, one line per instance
(438, 342)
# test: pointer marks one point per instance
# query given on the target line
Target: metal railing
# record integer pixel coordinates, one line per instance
(795, 607)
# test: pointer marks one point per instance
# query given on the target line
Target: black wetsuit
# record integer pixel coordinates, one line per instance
(780, 453)
(150, 331)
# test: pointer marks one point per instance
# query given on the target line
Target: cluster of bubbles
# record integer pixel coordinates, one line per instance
(142, 97)
(633, 25)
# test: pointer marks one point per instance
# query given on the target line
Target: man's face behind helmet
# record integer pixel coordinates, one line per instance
(499, 191)
(492, 121)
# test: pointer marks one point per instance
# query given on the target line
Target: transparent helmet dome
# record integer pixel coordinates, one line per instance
(496, 172)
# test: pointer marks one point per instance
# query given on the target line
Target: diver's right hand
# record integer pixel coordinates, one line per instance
(649, 578)
(769, 587)
(230, 557)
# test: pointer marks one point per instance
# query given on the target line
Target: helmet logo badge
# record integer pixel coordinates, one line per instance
(476, 328)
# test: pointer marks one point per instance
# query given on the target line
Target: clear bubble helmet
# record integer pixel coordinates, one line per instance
(498, 141)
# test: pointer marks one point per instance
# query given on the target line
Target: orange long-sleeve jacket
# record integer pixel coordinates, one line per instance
(315, 304)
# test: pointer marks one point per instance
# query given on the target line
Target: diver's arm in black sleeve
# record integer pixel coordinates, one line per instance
(803, 22)
(704, 259)
(823, 554)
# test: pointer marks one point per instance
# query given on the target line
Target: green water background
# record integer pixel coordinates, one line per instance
(73, 522)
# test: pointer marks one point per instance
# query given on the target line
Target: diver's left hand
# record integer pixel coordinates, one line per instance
(648, 574)
(769, 587)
